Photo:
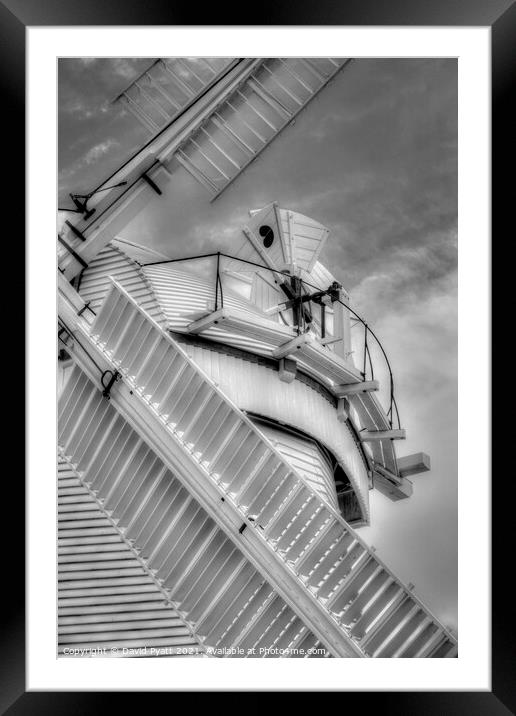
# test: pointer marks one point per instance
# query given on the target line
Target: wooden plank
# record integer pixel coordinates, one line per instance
(372, 435)
(393, 490)
(287, 370)
(353, 388)
(291, 346)
(413, 464)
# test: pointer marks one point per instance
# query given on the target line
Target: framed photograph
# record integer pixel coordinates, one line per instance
(272, 273)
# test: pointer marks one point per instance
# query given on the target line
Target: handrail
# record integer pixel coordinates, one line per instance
(393, 406)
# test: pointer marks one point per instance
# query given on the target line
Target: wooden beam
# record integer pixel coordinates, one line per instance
(390, 485)
(372, 435)
(70, 293)
(287, 370)
(391, 476)
(413, 464)
(354, 388)
(207, 322)
(342, 410)
(328, 341)
(292, 346)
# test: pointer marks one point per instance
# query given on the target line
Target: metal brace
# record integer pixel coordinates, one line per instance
(151, 183)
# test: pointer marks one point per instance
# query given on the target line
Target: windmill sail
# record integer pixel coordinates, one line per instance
(252, 117)
(215, 136)
(163, 90)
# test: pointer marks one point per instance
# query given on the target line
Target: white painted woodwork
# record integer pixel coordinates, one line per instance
(142, 564)
(194, 139)
(297, 239)
(63, 371)
(370, 415)
(342, 410)
(113, 262)
(117, 207)
(107, 595)
(175, 491)
(307, 458)
(184, 301)
(257, 389)
(395, 487)
(287, 370)
(133, 406)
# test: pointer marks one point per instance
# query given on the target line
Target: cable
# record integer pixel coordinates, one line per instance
(187, 258)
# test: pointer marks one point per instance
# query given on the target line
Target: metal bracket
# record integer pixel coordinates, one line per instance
(151, 183)
(115, 375)
(75, 230)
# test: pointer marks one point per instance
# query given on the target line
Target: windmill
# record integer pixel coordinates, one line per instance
(218, 435)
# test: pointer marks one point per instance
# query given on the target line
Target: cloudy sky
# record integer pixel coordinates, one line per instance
(374, 158)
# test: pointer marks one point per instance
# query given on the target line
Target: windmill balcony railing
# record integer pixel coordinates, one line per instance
(367, 368)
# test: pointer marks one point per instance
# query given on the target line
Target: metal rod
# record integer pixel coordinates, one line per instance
(186, 258)
(217, 283)
(221, 291)
(370, 363)
(365, 349)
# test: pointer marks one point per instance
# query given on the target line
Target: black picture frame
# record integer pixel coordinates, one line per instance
(500, 16)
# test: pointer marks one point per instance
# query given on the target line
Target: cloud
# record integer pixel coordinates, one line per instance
(98, 151)
(87, 61)
(125, 68)
(406, 273)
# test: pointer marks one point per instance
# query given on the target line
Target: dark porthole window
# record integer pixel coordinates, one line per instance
(267, 235)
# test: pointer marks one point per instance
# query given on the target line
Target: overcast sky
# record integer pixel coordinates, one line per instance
(373, 158)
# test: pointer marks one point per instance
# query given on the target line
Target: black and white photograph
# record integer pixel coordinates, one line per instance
(257, 357)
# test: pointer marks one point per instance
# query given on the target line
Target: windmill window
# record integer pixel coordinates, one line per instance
(267, 235)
